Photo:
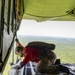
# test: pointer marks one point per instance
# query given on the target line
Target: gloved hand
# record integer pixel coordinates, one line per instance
(22, 64)
(17, 40)
(16, 66)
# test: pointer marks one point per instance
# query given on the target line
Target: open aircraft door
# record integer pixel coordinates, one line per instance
(11, 13)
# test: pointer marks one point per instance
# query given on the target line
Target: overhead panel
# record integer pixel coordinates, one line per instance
(41, 10)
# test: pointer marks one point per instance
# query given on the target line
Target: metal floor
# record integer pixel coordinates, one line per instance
(29, 69)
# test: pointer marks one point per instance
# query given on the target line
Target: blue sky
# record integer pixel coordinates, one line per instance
(47, 28)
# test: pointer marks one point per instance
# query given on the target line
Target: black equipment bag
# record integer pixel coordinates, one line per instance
(41, 45)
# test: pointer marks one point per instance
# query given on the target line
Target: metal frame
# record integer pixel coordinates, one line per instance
(8, 24)
(24, 70)
(4, 26)
(1, 29)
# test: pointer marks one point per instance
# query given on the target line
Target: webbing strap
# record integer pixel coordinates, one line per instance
(17, 59)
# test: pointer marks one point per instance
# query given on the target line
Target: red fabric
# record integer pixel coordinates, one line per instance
(19, 44)
(31, 53)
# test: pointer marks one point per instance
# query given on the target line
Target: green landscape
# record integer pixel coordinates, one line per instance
(65, 48)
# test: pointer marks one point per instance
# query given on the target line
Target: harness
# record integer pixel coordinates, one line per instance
(42, 53)
(43, 47)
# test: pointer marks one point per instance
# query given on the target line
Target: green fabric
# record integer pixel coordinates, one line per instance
(49, 9)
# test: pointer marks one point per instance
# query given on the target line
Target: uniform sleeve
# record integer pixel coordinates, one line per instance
(27, 58)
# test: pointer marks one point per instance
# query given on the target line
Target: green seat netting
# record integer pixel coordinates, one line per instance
(41, 10)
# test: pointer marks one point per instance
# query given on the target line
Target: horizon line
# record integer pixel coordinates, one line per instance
(48, 36)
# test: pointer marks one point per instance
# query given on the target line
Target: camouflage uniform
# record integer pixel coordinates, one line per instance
(46, 64)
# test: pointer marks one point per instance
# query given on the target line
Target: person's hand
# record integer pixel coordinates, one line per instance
(17, 40)
(16, 66)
